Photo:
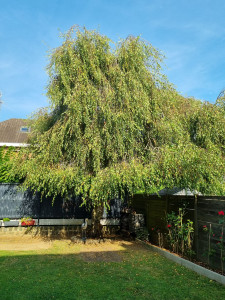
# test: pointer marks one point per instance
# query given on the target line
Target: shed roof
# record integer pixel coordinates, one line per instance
(177, 192)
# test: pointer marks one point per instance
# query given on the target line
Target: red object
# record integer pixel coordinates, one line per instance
(169, 225)
(28, 223)
(221, 213)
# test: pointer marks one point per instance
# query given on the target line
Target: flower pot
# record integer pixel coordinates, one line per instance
(11, 223)
(28, 223)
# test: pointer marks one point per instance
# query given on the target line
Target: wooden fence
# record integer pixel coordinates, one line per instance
(209, 244)
(16, 204)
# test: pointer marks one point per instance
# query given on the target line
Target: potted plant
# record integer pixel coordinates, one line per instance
(10, 223)
(28, 221)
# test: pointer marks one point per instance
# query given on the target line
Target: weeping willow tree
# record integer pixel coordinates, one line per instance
(116, 126)
(6, 155)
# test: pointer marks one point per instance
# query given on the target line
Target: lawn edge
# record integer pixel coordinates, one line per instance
(188, 264)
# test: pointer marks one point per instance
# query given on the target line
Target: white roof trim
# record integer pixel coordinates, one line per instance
(14, 144)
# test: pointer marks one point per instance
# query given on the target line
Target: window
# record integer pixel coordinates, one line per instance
(25, 129)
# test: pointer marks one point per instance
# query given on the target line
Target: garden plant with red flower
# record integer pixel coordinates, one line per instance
(180, 233)
(205, 228)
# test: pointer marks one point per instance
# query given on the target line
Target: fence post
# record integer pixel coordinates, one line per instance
(147, 209)
(167, 204)
(196, 225)
(39, 208)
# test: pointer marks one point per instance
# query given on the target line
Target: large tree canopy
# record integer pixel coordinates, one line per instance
(115, 125)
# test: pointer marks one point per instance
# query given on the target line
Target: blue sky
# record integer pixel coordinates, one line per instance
(191, 34)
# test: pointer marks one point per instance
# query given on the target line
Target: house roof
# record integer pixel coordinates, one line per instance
(11, 134)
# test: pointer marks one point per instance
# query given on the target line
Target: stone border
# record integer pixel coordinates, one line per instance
(188, 264)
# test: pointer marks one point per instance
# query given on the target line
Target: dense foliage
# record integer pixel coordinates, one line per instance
(116, 125)
(6, 164)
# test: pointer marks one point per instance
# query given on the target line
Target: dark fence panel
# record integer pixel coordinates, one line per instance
(156, 208)
(62, 208)
(115, 209)
(16, 204)
(209, 240)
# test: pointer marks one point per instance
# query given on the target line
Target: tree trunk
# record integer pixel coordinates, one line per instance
(97, 213)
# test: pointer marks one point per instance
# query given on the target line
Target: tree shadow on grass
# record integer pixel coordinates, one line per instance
(116, 270)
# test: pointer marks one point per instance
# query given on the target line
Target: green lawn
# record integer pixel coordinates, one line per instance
(68, 272)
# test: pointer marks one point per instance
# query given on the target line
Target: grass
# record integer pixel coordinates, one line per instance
(62, 272)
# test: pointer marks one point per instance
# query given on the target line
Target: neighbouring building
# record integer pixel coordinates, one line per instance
(14, 132)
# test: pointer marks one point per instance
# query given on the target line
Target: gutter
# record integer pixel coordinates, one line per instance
(14, 145)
